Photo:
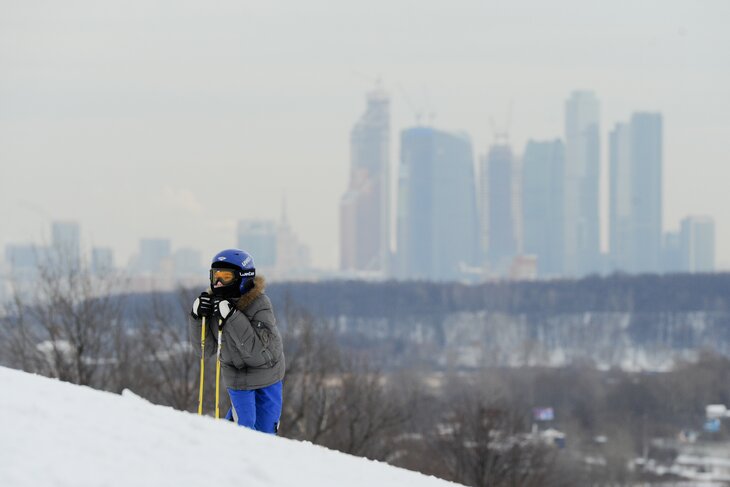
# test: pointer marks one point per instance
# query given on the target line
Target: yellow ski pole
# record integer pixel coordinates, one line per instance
(218, 372)
(202, 367)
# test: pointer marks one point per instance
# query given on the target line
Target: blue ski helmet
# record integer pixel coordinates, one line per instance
(242, 263)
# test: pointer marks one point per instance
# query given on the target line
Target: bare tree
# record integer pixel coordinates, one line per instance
(311, 382)
(485, 443)
(60, 321)
(368, 414)
(171, 364)
(333, 400)
(17, 346)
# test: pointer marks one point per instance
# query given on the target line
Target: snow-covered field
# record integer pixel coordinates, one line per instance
(58, 434)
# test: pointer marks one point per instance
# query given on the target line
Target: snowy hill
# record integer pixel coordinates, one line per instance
(57, 434)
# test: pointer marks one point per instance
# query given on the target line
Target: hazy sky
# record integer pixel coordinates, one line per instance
(169, 118)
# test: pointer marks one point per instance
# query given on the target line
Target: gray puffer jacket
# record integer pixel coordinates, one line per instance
(252, 355)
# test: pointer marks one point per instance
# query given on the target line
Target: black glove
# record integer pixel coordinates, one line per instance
(203, 306)
(224, 309)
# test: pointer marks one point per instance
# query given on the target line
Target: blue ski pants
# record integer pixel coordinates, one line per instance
(259, 409)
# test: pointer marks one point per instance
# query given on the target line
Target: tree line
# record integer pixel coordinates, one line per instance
(617, 292)
(474, 427)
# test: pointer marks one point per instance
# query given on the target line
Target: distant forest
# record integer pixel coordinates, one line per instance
(615, 293)
(439, 378)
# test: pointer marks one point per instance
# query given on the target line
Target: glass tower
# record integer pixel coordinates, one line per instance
(635, 211)
(542, 205)
(501, 242)
(365, 206)
(582, 174)
(437, 217)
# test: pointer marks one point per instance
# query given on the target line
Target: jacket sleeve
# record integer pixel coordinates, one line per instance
(211, 343)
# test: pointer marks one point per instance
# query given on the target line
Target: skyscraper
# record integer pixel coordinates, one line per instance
(646, 158)
(66, 243)
(620, 204)
(501, 242)
(187, 262)
(102, 260)
(636, 194)
(697, 236)
(437, 221)
(542, 204)
(582, 173)
(276, 249)
(258, 237)
(154, 255)
(483, 212)
(292, 256)
(365, 206)
(24, 257)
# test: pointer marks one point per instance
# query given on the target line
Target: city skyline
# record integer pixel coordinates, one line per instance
(522, 213)
(535, 216)
(131, 121)
(440, 187)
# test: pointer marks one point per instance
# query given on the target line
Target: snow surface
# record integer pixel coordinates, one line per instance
(57, 434)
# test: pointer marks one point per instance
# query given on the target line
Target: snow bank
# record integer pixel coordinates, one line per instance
(57, 434)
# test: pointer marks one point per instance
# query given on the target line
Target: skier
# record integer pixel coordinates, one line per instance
(252, 355)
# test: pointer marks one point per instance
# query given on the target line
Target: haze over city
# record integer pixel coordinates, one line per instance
(486, 241)
(173, 120)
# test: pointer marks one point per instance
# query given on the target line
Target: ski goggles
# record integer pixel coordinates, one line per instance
(224, 276)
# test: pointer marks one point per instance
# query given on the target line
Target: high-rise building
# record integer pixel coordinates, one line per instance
(102, 260)
(293, 257)
(23, 257)
(66, 243)
(542, 205)
(636, 194)
(501, 242)
(258, 238)
(276, 249)
(646, 156)
(365, 206)
(25, 265)
(188, 262)
(697, 235)
(483, 212)
(437, 218)
(582, 175)
(620, 204)
(154, 256)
